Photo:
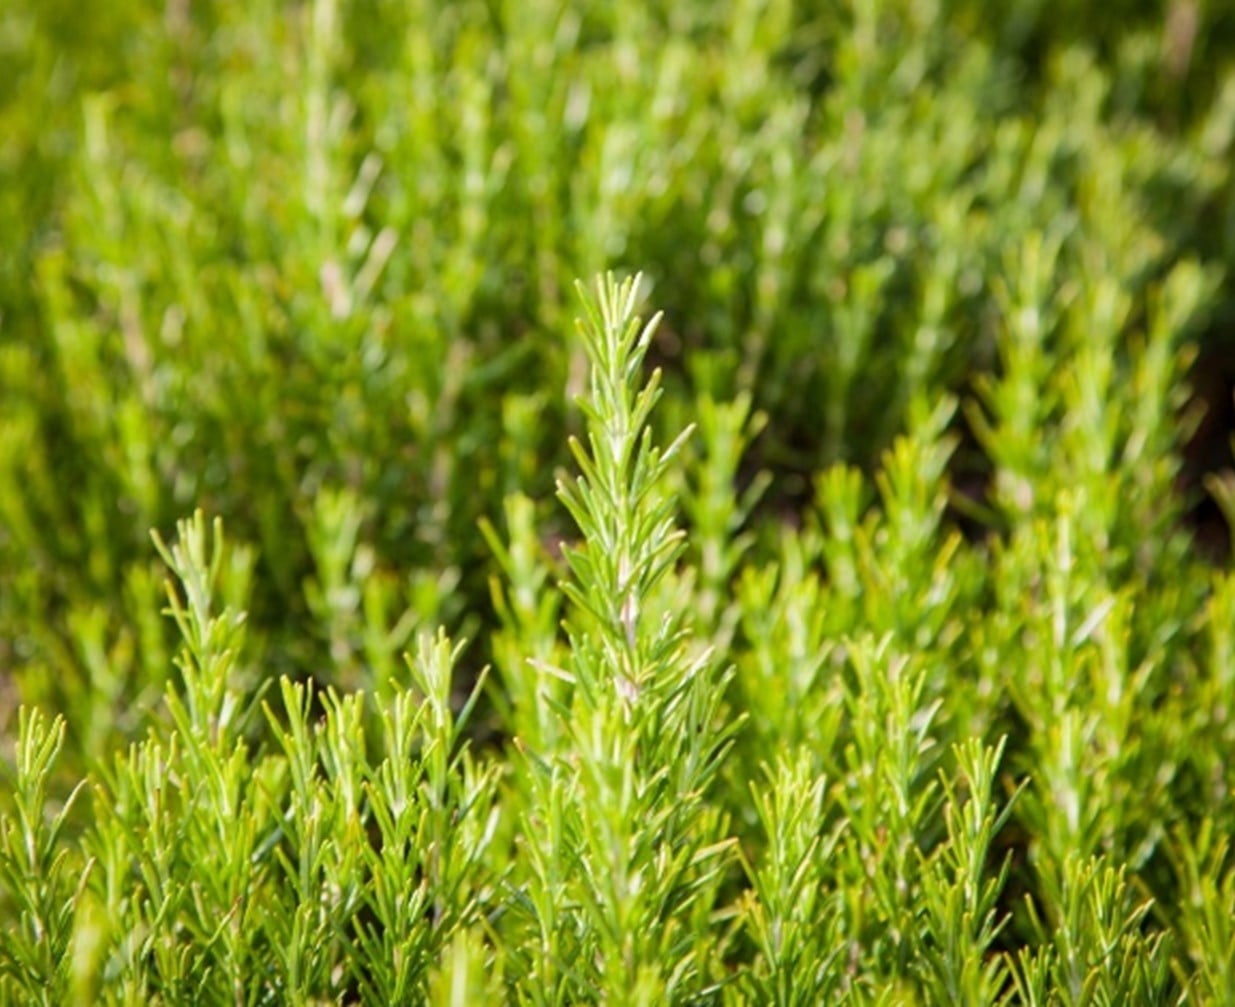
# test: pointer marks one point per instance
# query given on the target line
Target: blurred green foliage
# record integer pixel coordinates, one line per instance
(261, 255)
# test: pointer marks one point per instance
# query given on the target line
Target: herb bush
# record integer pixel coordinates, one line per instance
(843, 634)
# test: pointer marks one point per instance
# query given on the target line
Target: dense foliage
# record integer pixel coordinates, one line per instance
(856, 630)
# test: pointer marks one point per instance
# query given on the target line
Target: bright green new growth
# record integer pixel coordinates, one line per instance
(626, 832)
(336, 861)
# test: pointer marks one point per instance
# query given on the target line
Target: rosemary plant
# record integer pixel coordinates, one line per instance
(627, 851)
(906, 677)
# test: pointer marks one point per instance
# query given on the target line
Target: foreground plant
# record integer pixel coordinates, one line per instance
(334, 862)
(627, 852)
